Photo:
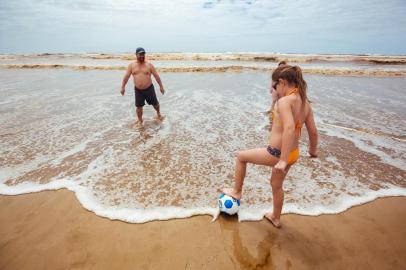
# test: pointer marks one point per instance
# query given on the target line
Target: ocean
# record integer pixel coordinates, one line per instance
(64, 124)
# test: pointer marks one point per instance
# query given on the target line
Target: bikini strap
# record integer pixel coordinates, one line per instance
(292, 91)
(298, 125)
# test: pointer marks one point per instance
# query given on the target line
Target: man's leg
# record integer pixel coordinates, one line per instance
(158, 113)
(153, 100)
(139, 114)
(139, 104)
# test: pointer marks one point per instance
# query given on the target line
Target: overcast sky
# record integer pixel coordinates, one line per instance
(302, 26)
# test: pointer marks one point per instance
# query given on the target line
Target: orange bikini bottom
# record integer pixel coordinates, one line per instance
(293, 156)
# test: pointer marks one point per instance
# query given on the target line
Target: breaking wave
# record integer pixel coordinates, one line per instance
(231, 68)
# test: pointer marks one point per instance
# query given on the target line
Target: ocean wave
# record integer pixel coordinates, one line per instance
(388, 61)
(292, 58)
(56, 66)
(253, 57)
(368, 131)
(231, 68)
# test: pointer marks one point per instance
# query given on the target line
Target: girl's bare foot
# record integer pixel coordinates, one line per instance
(232, 192)
(274, 221)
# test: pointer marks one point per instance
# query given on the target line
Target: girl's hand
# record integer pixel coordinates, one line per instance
(274, 95)
(280, 167)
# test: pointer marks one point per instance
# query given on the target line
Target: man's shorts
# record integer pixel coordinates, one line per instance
(147, 94)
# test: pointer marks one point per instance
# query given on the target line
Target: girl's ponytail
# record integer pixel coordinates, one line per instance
(292, 74)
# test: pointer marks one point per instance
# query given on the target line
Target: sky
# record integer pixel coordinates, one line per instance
(115, 26)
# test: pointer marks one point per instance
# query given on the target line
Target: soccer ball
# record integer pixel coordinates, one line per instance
(228, 204)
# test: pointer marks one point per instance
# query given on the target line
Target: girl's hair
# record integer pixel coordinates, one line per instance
(293, 75)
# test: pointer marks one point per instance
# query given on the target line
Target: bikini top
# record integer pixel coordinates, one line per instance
(275, 114)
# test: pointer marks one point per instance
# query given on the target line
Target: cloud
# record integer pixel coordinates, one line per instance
(165, 24)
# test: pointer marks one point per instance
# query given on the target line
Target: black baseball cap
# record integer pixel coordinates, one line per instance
(139, 50)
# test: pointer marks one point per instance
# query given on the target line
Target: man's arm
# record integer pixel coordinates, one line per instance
(157, 78)
(312, 131)
(125, 79)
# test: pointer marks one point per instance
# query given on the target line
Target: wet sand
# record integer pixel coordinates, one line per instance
(51, 230)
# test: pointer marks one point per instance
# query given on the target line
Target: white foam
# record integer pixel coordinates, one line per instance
(15, 171)
(205, 126)
(29, 187)
(345, 133)
(124, 214)
(166, 213)
(345, 203)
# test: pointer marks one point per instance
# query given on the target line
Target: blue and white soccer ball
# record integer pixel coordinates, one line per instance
(228, 204)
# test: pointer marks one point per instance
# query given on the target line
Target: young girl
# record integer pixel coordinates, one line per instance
(291, 111)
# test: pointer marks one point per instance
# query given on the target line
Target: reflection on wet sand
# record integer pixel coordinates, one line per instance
(248, 244)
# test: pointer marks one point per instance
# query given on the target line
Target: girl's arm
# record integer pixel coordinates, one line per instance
(288, 135)
(312, 131)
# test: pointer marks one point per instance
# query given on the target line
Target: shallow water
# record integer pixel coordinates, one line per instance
(64, 128)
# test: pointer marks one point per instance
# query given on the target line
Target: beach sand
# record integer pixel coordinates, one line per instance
(51, 230)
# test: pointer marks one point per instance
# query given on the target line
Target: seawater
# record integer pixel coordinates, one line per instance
(72, 129)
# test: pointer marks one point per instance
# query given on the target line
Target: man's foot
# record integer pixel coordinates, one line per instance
(159, 117)
(231, 192)
(274, 221)
(138, 123)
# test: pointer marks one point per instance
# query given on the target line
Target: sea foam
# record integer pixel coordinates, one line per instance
(80, 135)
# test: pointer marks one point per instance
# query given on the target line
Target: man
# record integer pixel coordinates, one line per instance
(144, 89)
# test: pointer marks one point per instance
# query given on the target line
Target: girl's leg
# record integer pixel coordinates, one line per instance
(259, 156)
(278, 195)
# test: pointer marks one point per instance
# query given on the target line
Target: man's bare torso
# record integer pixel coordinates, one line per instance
(142, 74)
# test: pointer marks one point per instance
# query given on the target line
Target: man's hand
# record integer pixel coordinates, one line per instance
(280, 167)
(122, 91)
(162, 90)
